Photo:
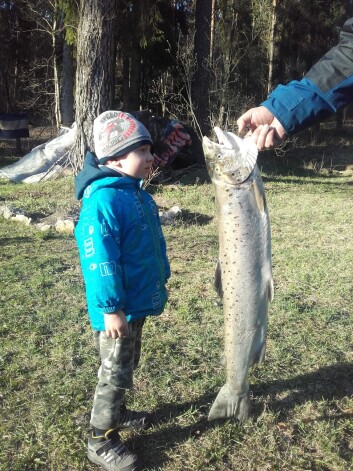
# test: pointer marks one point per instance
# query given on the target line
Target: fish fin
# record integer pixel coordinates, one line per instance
(260, 355)
(271, 290)
(218, 280)
(260, 197)
(246, 147)
(230, 403)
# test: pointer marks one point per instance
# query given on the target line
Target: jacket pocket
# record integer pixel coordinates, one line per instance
(292, 97)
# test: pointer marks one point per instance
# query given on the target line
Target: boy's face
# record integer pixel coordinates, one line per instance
(137, 163)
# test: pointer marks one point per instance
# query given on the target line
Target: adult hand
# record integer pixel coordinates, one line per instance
(116, 325)
(265, 130)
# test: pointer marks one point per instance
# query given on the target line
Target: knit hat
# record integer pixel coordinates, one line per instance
(116, 133)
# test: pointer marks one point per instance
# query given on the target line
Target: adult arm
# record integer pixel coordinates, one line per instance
(327, 87)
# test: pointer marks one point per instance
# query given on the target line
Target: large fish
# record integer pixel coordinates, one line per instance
(244, 272)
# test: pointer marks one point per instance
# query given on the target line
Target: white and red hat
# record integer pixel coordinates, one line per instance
(116, 133)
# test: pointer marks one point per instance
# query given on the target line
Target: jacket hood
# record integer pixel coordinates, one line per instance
(92, 171)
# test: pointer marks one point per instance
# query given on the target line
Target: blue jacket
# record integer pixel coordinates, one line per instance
(121, 245)
(327, 87)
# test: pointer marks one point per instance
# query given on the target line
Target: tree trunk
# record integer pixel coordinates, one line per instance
(212, 29)
(126, 79)
(201, 78)
(67, 96)
(135, 77)
(272, 48)
(95, 70)
(56, 38)
(56, 77)
(132, 59)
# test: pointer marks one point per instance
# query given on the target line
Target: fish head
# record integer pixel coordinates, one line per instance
(231, 160)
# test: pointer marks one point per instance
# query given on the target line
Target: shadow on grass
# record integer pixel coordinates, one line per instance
(154, 447)
(297, 163)
(7, 241)
(321, 180)
(45, 236)
(192, 218)
(327, 383)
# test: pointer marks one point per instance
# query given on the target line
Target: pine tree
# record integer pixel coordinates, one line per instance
(201, 79)
(95, 70)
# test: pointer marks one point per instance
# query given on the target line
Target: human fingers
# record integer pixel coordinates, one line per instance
(267, 137)
(117, 334)
(244, 121)
(280, 132)
(271, 139)
(254, 118)
(123, 331)
(111, 333)
(258, 136)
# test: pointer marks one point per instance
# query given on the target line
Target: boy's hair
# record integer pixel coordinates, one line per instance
(116, 133)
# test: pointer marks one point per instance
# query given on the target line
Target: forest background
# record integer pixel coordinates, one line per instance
(202, 62)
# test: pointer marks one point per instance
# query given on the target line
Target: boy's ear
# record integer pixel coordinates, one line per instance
(114, 163)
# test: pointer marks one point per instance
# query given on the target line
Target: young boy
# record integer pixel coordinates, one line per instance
(125, 269)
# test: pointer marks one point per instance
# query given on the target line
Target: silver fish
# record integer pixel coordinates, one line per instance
(244, 272)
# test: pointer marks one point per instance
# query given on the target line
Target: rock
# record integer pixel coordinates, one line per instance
(15, 214)
(44, 227)
(167, 217)
(22, 218)
(6, 212)
(65, 226)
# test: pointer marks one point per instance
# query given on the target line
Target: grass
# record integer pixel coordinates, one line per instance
(302, 396)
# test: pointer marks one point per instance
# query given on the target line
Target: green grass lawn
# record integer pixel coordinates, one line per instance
(302, 395)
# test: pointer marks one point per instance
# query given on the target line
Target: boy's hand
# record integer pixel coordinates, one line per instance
(116, 325)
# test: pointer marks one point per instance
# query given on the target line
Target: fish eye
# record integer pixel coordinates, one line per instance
(219, 156)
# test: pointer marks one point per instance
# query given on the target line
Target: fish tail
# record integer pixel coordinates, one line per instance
(230, 403)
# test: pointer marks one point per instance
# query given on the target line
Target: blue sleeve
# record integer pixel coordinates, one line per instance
(327, 87)
(99, 246)
(298, 105)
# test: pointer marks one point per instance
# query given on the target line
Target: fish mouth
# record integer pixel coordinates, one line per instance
(228, 139)
(232, 158)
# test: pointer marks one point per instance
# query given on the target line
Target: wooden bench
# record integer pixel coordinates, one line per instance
(14, 126)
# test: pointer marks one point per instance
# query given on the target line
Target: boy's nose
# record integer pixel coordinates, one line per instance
(150, 157)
